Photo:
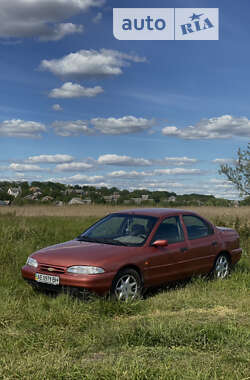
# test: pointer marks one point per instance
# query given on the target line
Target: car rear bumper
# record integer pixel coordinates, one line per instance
(97, 283)
(236, 255)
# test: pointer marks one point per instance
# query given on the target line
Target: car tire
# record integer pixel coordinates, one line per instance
(127, 285)
(221, 267)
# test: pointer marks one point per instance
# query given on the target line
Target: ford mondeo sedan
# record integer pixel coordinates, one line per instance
(126, 252)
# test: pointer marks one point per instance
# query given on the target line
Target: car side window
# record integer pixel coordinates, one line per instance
(170, 229)
(196, 227)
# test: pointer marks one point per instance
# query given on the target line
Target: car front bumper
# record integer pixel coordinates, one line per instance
(97, 283)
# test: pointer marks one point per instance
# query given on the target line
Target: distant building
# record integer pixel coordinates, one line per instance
(30, 197)
(150, 200)
(144, 197)
(236, 204)
(112, 198)
(79, 192)
(87, 201)
(127, 201)
(47, 198)
(35, 189)
(59, 203)
(79, 201)
(172, 199)
(15, 191)
(4, 203)
(137, 201)
(74, 191)
(33, 197)
(68, 191)
(37, 194)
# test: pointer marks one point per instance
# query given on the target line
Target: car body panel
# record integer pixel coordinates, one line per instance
(156, 265)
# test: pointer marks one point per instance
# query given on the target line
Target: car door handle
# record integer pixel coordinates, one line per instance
(214, 243)
(184, 249)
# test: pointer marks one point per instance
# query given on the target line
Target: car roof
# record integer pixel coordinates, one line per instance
(157, 212)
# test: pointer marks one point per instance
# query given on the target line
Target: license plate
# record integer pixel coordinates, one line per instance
(46, 279)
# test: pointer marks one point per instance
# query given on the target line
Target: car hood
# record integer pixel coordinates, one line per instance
(76, 252)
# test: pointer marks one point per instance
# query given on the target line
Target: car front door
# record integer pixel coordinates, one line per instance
(166, 264)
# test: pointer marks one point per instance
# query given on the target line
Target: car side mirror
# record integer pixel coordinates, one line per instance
(160, 243)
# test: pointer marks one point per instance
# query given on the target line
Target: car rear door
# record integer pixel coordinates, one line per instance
(201, 242)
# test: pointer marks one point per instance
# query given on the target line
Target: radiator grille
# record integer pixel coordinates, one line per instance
(51, 268)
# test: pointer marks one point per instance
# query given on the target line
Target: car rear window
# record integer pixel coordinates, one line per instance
(196, 227)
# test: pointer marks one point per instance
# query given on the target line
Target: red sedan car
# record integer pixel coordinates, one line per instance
(129, 251)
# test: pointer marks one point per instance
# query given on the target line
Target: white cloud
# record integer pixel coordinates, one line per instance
(80, 178)
(57, 107)
(216, 180)
(97, 18)
(223, 186)
(41, 18)
(71, 128)
(90, 63)
(123, 125)
(51, 158)
(24, 167)
(114, 159)
(21, 128)
(177, 171)
(60, 31)
(109, 126)
(178, 161)
(74, 166)
(167, 186)
(222, 161)
(222, 127)
(74, 90)
(130, 175)
(219, 183)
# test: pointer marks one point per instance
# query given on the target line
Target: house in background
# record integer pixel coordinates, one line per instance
(15, 191)
(112, 198)
(172, 199)
(79, 201)
(4, 203)
(47, 198)
(35, 189)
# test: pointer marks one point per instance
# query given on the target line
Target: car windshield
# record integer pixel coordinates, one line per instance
(120, 229)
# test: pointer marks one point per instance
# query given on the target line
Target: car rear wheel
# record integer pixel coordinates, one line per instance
(127, 285)
(221, 267)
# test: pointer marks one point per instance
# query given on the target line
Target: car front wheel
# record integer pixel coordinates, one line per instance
(221, 267)
(127, 285)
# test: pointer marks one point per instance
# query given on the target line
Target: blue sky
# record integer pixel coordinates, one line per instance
(79, 106)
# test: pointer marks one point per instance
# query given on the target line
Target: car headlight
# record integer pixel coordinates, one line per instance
(32, 262)
(85, 270)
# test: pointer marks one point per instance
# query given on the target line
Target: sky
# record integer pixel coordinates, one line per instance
(78, 106)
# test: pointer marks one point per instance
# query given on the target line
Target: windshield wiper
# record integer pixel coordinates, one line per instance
(85, 238)
(110, 241)
(101, 241)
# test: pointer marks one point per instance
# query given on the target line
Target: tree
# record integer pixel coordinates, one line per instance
(239, 174)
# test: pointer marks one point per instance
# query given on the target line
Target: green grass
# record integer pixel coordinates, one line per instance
(200, 330)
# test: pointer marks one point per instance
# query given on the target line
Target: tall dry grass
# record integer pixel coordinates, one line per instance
(199, 330)
(242, 213)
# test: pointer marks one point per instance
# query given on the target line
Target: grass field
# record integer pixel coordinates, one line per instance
(199, 330)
